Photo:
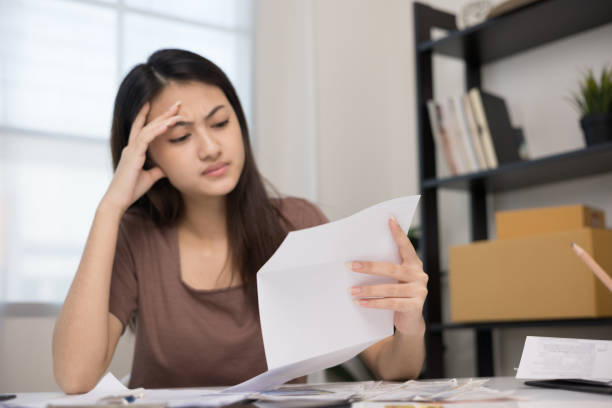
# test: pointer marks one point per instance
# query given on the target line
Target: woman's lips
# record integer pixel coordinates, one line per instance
(216, 171)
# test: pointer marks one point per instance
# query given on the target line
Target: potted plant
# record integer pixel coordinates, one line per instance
(594, 102)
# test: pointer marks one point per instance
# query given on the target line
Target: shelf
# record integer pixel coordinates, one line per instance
(523, 29)
(561, 167)
(498, 38)
(438, 327)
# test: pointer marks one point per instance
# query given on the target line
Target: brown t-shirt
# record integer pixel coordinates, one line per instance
(187, 337)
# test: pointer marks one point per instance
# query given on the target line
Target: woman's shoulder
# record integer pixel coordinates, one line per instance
(300, 212)
(135, 221)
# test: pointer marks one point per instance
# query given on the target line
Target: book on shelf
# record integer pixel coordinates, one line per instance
(448, 127)
(473, 132)
(466, 133)
(481, 123)
(440, 136)
(445, 131)
(501, 142)
(449, 116)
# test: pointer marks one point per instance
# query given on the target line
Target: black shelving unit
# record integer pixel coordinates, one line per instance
(527, 27)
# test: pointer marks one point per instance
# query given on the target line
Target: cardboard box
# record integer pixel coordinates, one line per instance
(532, 221)
(536, 277)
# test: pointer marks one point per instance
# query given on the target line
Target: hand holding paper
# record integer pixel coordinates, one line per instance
(407, 296)
(308, 319)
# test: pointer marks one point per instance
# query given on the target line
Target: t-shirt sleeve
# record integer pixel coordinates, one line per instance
(303, 214)
(123, 300)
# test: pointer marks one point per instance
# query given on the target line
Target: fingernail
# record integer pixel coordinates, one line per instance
(177, 103)
(360, 302)
(393, 219)
(355, 291)
(356, 265)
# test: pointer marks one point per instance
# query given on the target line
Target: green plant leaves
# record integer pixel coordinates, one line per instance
(594, 97)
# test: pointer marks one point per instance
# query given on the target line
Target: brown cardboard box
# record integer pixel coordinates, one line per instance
(520, 223)
(536, 277)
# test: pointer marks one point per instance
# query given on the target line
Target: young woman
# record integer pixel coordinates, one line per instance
(178, 238)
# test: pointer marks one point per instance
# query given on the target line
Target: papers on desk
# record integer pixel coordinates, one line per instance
(109, 386)
(549, 357)
(288, 395)
(308, 319)
(371, 391)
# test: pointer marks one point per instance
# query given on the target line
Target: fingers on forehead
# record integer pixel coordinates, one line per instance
(142, 114)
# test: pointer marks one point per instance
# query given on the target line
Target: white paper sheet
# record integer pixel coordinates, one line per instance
(308, 319)
(108, 385)
(550, 357)
(190, 397)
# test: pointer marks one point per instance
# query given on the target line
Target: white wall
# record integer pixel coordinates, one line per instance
(365, 103)
(336, 76)
(284, 106)
(25, 351)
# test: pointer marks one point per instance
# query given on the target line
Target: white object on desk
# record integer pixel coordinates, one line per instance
(550, 357)
(110, 386)
(308, 319)
(409, 391)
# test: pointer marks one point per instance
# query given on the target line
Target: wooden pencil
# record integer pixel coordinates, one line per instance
(593, 266)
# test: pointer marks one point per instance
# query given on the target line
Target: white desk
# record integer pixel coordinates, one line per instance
(528, 397)
(536, 397)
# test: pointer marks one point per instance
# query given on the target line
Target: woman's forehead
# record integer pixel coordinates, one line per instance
(196, 97)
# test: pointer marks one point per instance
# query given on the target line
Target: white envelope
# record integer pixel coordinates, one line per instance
(308, 319)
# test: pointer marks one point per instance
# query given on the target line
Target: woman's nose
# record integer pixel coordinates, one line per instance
(208, 147)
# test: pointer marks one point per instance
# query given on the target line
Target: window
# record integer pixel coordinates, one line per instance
(61, 62)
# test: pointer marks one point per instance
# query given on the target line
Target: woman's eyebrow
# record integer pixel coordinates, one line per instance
(180, 123)
(210, 114)
(213, 111)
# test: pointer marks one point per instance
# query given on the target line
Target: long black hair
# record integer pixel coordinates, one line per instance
(253, 221)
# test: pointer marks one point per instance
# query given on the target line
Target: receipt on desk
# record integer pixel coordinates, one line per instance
(551, 357)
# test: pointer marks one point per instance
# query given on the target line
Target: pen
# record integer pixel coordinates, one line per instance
(593, 266)
(123, 398)
(5, 397)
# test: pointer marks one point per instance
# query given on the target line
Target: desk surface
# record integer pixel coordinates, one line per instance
(541, 397)
(527, 397)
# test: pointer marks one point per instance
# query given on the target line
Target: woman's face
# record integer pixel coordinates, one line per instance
(203, 154)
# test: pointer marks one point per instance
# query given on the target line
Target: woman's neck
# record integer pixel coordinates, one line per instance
(205, 218)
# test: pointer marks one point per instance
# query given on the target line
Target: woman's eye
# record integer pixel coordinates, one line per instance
(221, 124)
(180, 139)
